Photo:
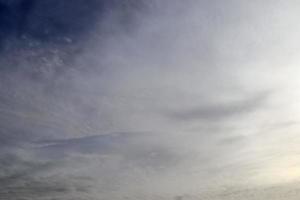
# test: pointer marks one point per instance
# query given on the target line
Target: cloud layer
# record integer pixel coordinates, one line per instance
(149, 100)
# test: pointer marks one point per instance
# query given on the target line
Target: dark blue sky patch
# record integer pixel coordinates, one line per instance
(50, 20)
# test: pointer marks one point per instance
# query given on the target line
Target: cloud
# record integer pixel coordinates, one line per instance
(151, 100)
(221, 111)
(135, 148)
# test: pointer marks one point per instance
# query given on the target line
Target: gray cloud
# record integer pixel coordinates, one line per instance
(137, 148)
(222, 111)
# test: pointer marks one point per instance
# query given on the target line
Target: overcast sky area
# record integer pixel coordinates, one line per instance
(149, 99)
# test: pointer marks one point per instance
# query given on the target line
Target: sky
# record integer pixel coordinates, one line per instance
(156, 99)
